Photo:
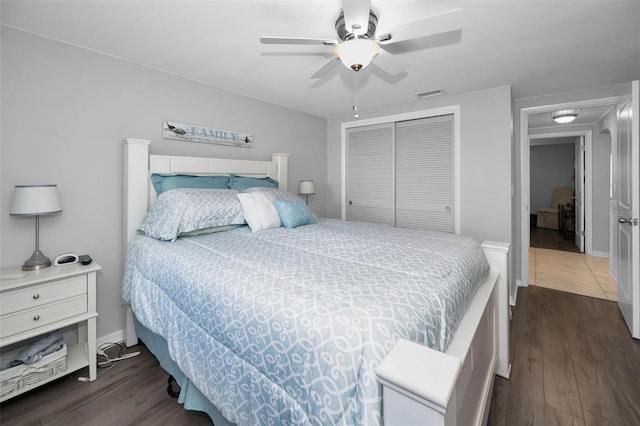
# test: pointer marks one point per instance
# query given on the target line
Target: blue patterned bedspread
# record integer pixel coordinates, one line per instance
(287, 326)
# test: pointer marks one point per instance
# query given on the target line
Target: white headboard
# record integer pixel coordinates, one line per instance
(138, 166)
(139, 193)
(217, 166)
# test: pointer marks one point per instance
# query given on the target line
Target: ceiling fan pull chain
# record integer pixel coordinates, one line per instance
(355, 96)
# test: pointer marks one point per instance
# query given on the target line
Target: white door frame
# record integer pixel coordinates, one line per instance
(525, 176)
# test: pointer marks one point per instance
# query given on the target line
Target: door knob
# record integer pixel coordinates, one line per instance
(630, 221)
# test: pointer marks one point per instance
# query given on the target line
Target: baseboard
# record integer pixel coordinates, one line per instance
(596, 253)
(514, 294)
(115, 337)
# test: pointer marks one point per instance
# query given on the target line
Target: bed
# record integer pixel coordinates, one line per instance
(319, 324)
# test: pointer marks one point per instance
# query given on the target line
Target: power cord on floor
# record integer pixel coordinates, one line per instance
(100, 351)
(107, 363)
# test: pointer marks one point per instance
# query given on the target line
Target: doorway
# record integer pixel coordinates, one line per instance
(569, 269)
(555, 219)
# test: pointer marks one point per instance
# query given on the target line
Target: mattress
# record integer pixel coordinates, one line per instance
(287, 326)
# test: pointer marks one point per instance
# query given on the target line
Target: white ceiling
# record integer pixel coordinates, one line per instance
(537, 47)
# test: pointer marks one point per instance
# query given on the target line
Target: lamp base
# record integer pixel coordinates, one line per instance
(36, 261)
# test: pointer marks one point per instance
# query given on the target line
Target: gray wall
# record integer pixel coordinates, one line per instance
(608, 127)
(65, 112)
(551, 167)
(600, 215)
(486, 144)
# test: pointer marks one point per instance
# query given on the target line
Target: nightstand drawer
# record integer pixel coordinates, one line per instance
(37, 295)
(28, 319)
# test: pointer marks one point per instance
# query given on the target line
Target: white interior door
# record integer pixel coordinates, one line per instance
(628, 211)
(579, 194)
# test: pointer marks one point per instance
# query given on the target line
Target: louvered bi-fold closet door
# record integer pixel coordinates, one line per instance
(424, 173)
(370, 169)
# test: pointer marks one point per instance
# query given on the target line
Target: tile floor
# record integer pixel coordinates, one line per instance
(571, 272)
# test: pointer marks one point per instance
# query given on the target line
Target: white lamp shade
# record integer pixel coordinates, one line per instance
(35, 200)
(307, 187)
(357, 53)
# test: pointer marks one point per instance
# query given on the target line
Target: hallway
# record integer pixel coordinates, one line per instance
(571, 272)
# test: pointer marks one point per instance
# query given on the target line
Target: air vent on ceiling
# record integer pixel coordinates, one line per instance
(431, 93)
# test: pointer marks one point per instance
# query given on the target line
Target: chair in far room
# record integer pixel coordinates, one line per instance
(548, 216)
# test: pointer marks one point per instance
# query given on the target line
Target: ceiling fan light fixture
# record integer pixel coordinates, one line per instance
(564, 116)
(357, 53)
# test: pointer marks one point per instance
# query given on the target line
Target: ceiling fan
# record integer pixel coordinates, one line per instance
(358, 42)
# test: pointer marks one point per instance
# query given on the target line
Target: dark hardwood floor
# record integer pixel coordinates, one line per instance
(551, 239)
(573, 363)
(131, 393)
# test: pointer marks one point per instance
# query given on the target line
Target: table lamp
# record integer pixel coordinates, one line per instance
(35, 200)
(305, 188)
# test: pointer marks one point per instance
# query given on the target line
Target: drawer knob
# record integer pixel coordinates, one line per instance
(36, 296)
(36, 318)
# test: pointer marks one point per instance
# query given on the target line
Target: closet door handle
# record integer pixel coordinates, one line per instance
(350, 202)
(36, 296)
(36, 317)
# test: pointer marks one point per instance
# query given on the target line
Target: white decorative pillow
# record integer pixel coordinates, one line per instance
(277, 193)
(259, 211)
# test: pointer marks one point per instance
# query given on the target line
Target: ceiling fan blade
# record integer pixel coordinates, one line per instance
(389, 63)
(436, 24)
(356, 12)
(326, 68)
(297, 40)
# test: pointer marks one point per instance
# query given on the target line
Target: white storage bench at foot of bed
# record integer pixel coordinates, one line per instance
(422, 386)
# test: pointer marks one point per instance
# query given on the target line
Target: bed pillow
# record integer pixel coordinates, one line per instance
(163, 182)
(186, 210)
(294, 213)
(278, 194)
(259, 211)
(241, 183)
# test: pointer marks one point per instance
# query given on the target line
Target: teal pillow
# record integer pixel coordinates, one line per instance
(240, 183)
(163, 183)
(294, 213)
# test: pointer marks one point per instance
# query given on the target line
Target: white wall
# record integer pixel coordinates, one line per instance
(65, 112)
(486, 144)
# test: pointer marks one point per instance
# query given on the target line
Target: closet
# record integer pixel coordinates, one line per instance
(402, 173)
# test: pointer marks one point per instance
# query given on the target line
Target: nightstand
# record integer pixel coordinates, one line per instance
(47, 300)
